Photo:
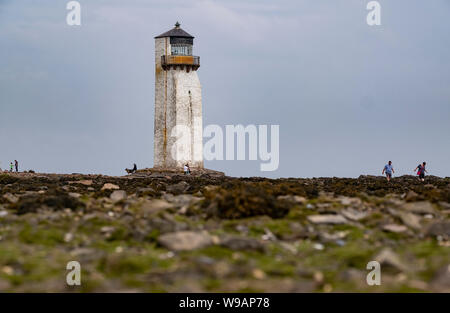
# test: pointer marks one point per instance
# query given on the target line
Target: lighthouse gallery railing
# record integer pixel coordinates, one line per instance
(180, 60)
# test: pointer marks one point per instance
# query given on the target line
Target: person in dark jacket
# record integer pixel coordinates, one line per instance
(421, 171)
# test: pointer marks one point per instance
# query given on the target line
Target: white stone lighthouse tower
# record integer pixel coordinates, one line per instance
(178, 102)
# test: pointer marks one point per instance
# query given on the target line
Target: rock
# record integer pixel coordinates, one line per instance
(394, 228)
(184, 200)
(411, 196)
(145, 191)
(333, 237)
(258, 274)
(327, 219)
(4, 285)
(288, 247)
(109, 186)
(441, 280)
(164, 225)
(107, 229)
(8, 270)
(11, 198)
(82, 182)
(68, 237)
(118, 195)
(155, 205)
(185, 240)
(293, 199)
(353, 275)
(296, 231)
(74, 195)
(79, 252)
(421, 207)
(409, 219)
(242, 229)
(85, 182)
(242, 244)
(439, 229)
(353, 214)
(310, 206)
(444, 205)
(318, 246)
(178, 188)
(350, 201)
(390, 261)
(3, 213)
(268, 235)
(210, 188)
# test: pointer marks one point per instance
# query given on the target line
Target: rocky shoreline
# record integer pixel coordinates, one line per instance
(165, 232)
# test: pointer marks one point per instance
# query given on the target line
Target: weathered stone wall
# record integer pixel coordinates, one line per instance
(178, 101)
(188, 95)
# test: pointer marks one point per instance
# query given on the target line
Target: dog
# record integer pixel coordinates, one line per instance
(133, 170)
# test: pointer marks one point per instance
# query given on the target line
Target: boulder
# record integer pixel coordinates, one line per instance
(390, 260)
(11, 198)
(118, 195)
(395, 228)
(181, 187)
(411, 196)
(185, 240)
(409, 219)
(420, 207)
(348, 201)
(293, 199)
(353, 214)
(242, 244)
(441, 280)
(109, 186)
(439, 229)
(155, 205)
(327, 219)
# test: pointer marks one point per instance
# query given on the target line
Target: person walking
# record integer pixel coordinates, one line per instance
(16, 164)
(389, 170)
(421, 171)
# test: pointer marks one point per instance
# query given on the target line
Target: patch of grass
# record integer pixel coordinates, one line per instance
(215, 252)
(46, 237)
(354, 233)
(152, 235)
(279, 227)
(212, 284)
(121, 265)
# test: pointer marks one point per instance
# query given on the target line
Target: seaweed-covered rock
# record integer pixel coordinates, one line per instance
(58, 201)
(240, 201)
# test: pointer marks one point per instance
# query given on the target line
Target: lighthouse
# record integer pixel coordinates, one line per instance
(178, 136)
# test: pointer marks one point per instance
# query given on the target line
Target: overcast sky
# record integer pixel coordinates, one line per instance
(348, 97)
